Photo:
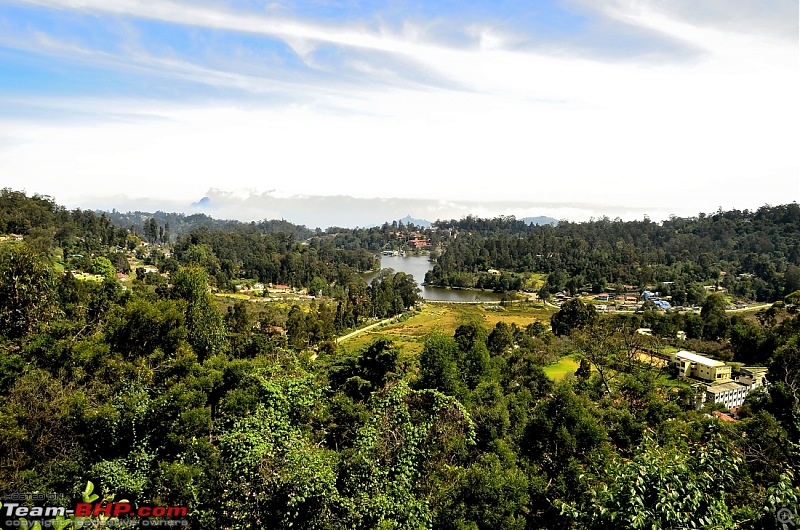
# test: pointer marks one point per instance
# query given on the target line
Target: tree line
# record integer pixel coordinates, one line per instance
(753, 254)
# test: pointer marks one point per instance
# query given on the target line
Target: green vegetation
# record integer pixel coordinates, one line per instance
(565, 366)
(752, 255)
(453, 417)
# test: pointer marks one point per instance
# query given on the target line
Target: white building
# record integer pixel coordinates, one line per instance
(730, 394)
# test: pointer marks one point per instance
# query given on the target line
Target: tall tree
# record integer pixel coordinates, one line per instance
(574, 314)
(27, 287)
(206, 327)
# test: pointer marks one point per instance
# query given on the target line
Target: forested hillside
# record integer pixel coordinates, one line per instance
(161, 391)
(753, 254)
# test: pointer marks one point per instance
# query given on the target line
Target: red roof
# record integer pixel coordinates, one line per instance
(722, 416)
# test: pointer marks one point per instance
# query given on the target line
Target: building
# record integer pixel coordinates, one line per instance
(692, 365)
(730, 394)
(420, 244)
(753, 377)
(722, 416)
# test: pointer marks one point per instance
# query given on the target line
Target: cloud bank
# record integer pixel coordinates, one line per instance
(626, 105)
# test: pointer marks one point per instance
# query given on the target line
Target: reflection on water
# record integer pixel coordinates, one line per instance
(417, 266)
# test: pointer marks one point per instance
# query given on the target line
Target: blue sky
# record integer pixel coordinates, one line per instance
(570, 108)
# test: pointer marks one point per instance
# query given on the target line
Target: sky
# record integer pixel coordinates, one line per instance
(347, 112)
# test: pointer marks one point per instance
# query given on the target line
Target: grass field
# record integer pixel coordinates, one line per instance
(410, 333)
(566, 365)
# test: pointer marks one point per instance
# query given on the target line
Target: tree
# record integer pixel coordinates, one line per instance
(501, 338)
(103, 266)
(206, 327)
(141, 327)
(238, 319)
(277, 476)
(296, 329)
(574, 314)
(438, 367)
(27, 288)
(412, 437)
(715, 321)
(791, 279)
(662, 487)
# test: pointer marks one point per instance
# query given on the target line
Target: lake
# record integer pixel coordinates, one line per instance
(417, 266)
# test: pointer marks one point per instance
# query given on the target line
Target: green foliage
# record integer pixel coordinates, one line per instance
(102, 266)
(412, 434)
(574, 314)
(369, 371)
(663, 487)
(141, 327)
(206, 328)
(715, 321)
(278, 477)
(27, 287)
(489, 496)
(438, 368)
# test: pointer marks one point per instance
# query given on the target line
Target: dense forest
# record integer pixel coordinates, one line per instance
(754, 255)
(252, 415)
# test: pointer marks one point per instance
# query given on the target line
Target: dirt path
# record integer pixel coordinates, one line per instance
(365, 328)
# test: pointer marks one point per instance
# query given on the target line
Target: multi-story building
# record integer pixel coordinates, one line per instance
(692, 365)
(730, 394)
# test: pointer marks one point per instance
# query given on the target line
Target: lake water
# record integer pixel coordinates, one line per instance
(417, 266)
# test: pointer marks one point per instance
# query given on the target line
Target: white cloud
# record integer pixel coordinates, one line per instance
(678, 137)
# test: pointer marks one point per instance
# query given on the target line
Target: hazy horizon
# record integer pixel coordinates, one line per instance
(350, 212)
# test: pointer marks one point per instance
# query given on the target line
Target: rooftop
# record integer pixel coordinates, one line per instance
(721, 416)
(699, 359)
(724, 387)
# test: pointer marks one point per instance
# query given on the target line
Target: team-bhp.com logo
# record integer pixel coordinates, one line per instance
(85, 509)
(35, 511)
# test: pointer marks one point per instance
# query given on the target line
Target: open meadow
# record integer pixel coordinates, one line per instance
(410, 332)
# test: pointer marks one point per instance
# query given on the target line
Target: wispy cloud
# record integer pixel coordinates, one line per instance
(473, 108)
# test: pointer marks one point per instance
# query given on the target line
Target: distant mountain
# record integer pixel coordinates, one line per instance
(541, 220)
(202, 203)
(416, 222)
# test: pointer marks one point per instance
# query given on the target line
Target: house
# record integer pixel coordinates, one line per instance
(122, 277)
(274, 330)
(419, 244)
(149, 268)
(280, 287)
(494, 272)
(692, 365)
(603, 297)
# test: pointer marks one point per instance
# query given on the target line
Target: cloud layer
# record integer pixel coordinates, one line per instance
(625, 105)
